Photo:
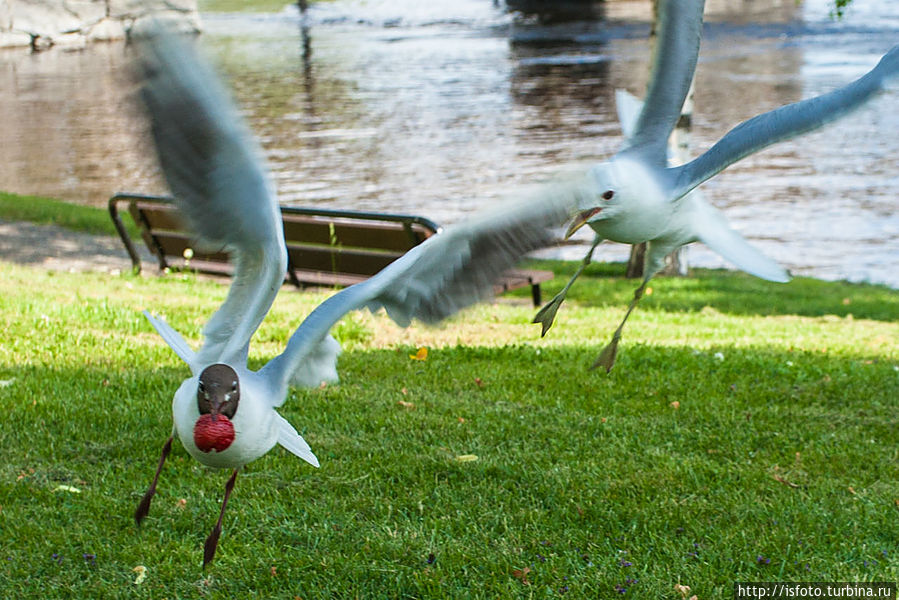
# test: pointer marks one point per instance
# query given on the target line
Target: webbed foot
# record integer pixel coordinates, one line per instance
(546, 315)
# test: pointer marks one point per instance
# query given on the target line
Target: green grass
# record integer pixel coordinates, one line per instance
(243, 5)
(783, 446)
(47, 211)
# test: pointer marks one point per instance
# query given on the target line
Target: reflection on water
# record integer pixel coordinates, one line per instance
(438, 108)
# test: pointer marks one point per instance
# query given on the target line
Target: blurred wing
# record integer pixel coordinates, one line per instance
(449, 271)
(628, 107)
(786, 122)
(676, 50)
(214, 170)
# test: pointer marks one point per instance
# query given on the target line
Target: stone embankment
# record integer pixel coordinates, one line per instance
(41, 24)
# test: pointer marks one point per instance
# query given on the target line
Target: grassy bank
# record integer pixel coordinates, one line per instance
(47, 211)
(748, 432)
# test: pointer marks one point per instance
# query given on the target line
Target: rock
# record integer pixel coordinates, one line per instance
(42, 24)
(45, 18)
(106, 31)
(13, 39)
(87, 11)
(5, 16)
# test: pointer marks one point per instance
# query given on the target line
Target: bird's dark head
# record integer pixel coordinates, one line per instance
(218, 391)
(218, 396)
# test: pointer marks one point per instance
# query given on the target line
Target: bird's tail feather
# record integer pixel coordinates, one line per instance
(294, 442)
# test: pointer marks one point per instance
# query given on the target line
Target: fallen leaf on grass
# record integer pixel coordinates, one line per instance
(851, 490)
(182, 502)
(6, 382)
(422, 354)
(675, 405)
(522, 575)
(404, 404)
(467, 458)
(683, 590)
(141, 574)
(479, 382)
(780, 479)
(67, 488)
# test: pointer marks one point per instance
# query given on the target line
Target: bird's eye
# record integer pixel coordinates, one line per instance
(608, 194)
(233, 386)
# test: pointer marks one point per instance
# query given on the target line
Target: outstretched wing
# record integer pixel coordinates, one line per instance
(679, 25)
(215, 172)
(446, 273)
(786, 122)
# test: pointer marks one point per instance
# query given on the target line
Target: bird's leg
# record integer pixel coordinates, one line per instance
(144, 507)
(546, 315)
(606, 358)
(213, 540)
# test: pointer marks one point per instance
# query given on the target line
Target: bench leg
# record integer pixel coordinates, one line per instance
(535, 294)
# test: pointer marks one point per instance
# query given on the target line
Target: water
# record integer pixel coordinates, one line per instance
(388, 106)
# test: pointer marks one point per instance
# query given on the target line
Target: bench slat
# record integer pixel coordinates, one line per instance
(158, 217)
(362, 234)
(343, 260)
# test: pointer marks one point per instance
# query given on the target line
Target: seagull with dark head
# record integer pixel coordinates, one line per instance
(636, 197)
(224, 413)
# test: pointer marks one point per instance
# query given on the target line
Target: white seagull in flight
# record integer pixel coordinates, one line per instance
(224, 413)
(636, 197)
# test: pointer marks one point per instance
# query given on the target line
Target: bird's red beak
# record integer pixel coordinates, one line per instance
(581, 219)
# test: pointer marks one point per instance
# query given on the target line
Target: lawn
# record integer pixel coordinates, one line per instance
(747, 433)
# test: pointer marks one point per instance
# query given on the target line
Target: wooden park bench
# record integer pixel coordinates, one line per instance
(324, 247)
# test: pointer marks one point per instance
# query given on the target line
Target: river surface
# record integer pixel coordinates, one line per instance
(439, 108)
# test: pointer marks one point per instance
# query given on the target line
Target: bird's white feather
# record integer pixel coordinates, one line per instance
(628, 107)
(715, 232)
(294, 442)
(319, 365)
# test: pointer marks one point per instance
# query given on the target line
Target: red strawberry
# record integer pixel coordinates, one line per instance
(213, 432)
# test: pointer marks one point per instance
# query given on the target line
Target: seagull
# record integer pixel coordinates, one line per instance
(636, 197)
(225, 414)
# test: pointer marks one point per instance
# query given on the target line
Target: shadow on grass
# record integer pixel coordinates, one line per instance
(581, 476)
(726, 291)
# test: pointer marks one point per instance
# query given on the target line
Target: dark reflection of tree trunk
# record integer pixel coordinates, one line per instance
(559, 11)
